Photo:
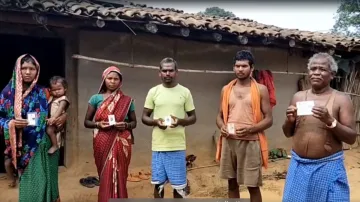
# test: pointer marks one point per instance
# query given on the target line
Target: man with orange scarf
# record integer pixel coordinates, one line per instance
(245, 112)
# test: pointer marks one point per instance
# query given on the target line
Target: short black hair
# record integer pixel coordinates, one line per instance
(56, 79)
(168, 60)
(244, 55)
(27, 58)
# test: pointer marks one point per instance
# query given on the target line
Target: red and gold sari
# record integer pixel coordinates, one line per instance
(112, 148)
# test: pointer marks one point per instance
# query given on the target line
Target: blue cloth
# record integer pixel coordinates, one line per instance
(169, 166)
(32, 136)
(319, 180)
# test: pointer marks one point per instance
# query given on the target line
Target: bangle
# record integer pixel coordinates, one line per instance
(97, 125)
(127, 125)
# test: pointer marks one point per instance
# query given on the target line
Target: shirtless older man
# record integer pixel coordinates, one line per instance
(316, 171)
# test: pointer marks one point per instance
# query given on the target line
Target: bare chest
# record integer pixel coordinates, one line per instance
(324, 101)
(241, 93)
(318, 100)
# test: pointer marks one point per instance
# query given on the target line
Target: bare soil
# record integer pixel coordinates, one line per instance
(204, 182)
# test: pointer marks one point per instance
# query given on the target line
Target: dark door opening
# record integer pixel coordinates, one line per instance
(50, 53)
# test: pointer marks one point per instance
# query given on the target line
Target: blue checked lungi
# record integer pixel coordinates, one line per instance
(317, 180)
(169, 166)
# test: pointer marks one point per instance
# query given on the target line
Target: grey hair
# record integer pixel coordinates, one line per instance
(330, 60)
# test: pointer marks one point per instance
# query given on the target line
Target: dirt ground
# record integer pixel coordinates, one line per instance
(204, 182)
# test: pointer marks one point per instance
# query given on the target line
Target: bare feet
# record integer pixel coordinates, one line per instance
(53, 149)
(12, 184)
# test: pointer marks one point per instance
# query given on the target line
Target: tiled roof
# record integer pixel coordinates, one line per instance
(130, 11)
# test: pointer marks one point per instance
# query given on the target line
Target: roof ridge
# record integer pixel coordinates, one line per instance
(170, 16)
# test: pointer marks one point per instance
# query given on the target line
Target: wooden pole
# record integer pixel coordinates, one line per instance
(125, 64)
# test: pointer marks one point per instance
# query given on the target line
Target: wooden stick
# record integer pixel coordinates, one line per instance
(125, 64)
(352, 94)
(208, 166)
(145, 66)
(154, 67)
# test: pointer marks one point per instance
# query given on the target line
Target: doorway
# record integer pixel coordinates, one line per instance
(50, 53)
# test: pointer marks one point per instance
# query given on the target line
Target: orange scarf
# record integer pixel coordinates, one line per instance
(255, 100)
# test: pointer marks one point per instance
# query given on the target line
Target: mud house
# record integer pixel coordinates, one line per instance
(56, 31)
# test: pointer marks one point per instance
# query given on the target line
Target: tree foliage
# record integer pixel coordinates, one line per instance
(348, 18)
(218, 12)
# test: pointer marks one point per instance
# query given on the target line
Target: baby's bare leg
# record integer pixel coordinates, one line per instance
(10, 172)
(51, 131)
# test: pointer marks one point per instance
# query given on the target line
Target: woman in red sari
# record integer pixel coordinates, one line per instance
(112, 143)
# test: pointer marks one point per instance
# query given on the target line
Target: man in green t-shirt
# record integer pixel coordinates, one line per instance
(173, 108)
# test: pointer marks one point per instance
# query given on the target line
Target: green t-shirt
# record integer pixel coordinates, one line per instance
(164, 102)
(97, 99)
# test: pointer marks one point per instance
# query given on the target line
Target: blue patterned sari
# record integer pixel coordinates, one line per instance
(28, 147)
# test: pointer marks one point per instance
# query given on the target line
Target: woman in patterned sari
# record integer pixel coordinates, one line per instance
(27, 143)
(112, 143)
